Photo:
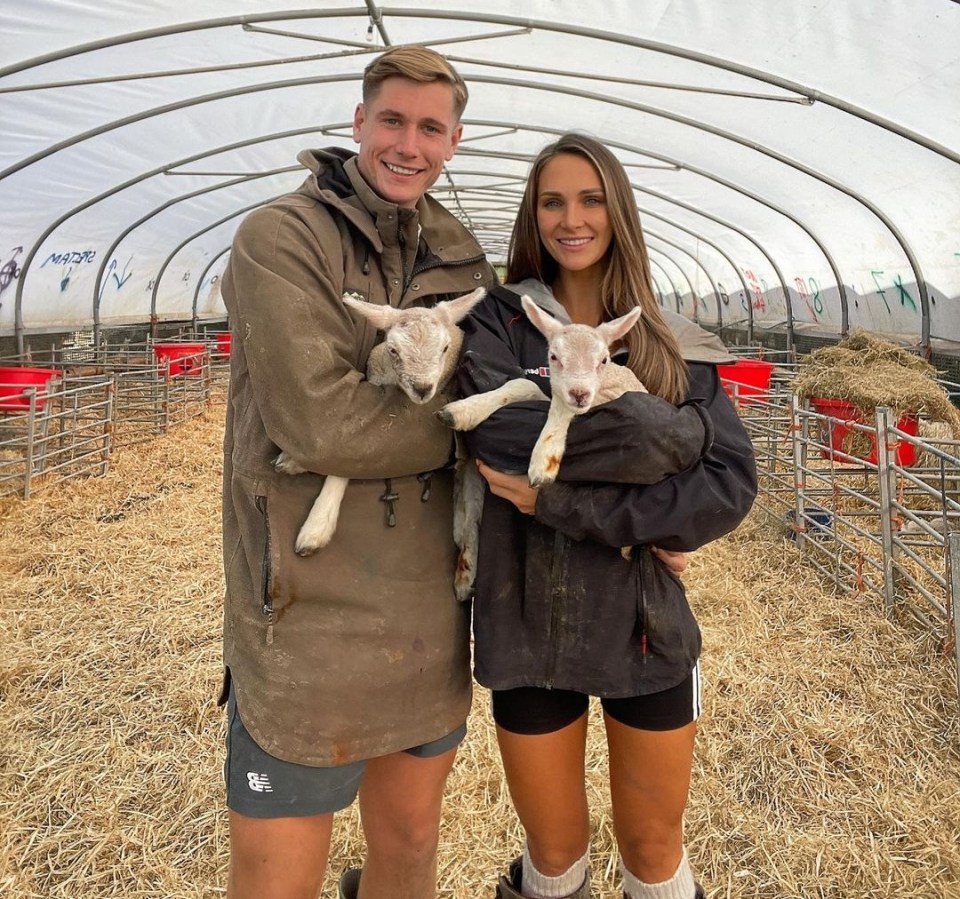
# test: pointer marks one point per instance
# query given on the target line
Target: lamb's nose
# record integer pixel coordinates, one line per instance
(579, 397)
(422, 390)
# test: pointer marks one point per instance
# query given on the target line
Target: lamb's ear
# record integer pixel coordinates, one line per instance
(614, 330)
(543, 321)
(455, 310)
(382, 317)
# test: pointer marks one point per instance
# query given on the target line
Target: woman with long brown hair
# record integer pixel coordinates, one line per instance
(559, 614)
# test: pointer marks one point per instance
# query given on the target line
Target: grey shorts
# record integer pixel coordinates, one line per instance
(262, 786)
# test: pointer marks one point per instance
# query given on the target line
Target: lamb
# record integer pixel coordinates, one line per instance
(581, 377)
(418, 354)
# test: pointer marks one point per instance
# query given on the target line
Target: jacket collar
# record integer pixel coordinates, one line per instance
(336, 181)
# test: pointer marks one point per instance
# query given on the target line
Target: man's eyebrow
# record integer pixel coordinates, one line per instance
(396, 114)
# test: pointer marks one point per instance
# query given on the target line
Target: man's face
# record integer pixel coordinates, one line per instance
(406, 134)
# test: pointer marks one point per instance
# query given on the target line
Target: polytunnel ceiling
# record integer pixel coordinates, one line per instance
(795, 164)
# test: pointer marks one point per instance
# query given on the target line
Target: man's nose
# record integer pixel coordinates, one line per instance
(407, 141)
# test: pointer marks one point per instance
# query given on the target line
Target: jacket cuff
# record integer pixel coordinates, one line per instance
(708, 432)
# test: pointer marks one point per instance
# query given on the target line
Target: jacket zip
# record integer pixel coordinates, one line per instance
(642, 556)
(556, 606)
(266, 607)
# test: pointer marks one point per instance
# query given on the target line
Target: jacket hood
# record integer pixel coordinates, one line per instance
(696, 343)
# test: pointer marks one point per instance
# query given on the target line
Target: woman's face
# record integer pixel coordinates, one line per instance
(572, 216)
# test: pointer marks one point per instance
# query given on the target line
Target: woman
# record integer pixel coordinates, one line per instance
(559, 614)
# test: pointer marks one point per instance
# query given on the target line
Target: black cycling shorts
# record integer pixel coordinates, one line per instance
(537, 710)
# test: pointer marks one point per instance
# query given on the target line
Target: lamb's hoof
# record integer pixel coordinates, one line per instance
(307, 546)
(445, 417)
(285, 465)
(540, 480)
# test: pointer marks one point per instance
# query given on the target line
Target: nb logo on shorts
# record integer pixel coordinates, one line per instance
(259, 783)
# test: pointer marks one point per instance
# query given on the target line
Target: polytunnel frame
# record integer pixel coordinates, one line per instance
(376, 15)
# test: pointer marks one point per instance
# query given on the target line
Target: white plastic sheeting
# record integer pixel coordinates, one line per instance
(796, 164)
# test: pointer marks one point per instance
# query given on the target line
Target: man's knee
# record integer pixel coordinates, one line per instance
(278, 858)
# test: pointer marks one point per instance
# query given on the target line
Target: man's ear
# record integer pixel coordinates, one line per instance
(455, 140)
(358, 115)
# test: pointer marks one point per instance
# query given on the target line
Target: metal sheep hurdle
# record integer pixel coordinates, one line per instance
(874, 507)
(60, 416)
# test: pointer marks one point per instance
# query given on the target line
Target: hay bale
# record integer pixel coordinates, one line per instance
(869, 371)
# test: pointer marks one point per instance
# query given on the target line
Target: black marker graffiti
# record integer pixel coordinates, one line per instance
(10, 270)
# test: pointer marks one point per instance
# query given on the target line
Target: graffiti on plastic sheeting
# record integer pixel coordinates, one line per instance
(814, 303)
(68, 261)
(902, 293)
(120, 278)
(757, 288)
(724, 296)
(10, 271)
(71, 257)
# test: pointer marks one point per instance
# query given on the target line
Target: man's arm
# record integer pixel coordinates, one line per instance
(305, 354)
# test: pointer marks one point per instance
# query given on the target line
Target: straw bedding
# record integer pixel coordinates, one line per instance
(828, 761)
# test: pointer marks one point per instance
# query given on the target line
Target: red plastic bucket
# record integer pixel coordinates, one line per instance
(223, 342)
(181, 358)
(13, 381)
(752, 377)
(836, 431)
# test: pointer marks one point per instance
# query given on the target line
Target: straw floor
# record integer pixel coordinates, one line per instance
(828, 761)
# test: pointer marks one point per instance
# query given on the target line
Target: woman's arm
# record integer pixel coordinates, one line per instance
(637, 439)
(684, 510)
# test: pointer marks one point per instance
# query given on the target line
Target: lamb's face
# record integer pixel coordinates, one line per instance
(578, 356)
(420, 350)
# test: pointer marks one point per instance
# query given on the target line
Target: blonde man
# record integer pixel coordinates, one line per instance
(346, 672)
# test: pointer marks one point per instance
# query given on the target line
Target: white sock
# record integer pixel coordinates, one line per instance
(680, 886)
(539, 886)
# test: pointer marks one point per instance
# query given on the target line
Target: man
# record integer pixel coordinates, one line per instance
(346, 671)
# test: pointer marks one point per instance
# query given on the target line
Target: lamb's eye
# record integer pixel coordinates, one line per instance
(553, 357)
(447, 347)
(393, 351)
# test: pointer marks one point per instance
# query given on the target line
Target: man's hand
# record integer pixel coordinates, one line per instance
(514, 488)
(675, 561)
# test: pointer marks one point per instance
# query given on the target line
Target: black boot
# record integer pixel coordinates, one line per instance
(349, 886)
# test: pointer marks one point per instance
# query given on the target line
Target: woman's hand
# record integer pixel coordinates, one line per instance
(514, 488)
(675, 561)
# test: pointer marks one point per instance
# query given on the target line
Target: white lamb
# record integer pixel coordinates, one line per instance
(581, 377)
(418, 354)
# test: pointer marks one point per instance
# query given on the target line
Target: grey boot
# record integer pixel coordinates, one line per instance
(510, 885)
(699, 894)
(349, 884)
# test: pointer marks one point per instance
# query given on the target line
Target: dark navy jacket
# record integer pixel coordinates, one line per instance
(556, 603)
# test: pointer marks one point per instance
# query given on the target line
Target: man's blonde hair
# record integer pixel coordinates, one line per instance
(417, 64)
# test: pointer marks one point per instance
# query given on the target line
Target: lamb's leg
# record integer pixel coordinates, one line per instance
(285, 465)
(318, 529)
(549, 448)
(467, 510)
(466, 414)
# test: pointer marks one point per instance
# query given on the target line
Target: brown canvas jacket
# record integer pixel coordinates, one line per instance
(361, 649)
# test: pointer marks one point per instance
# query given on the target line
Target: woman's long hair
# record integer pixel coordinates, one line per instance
(653, 353)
